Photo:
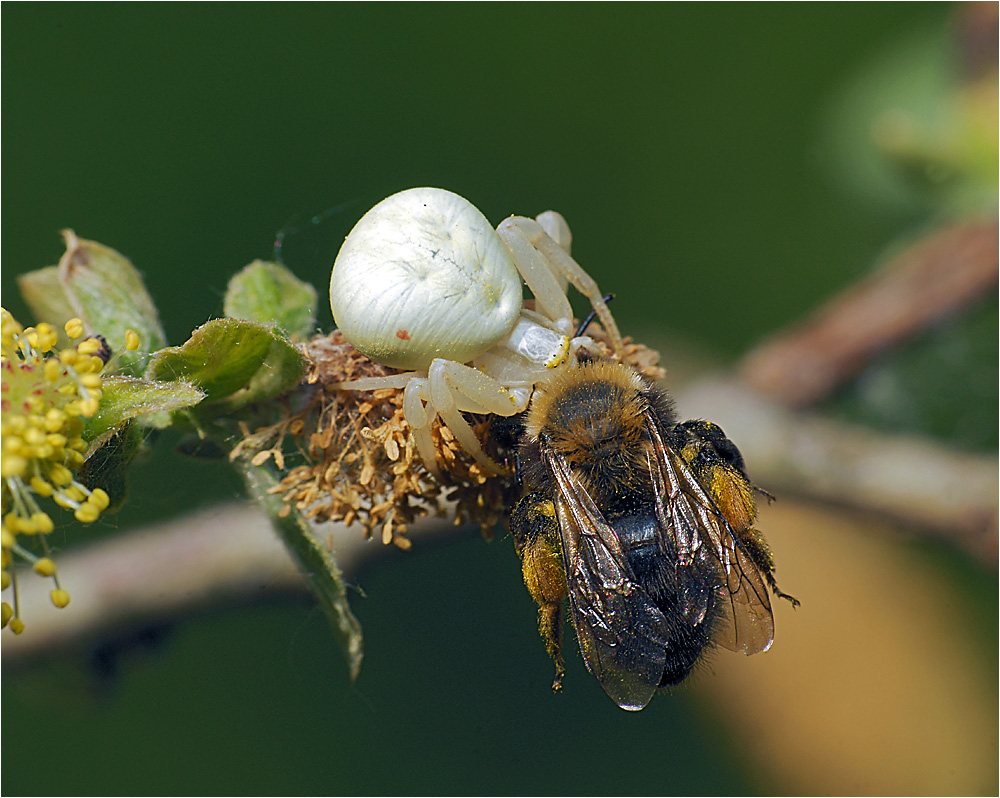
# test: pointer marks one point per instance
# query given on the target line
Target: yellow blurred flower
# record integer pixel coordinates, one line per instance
(46, 395)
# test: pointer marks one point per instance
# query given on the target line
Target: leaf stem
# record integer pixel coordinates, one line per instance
(314, 560)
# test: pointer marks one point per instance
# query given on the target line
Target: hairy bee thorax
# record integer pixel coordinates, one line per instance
(590, 415)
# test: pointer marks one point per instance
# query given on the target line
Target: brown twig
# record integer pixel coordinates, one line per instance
(224, 554)
(936, 277)
(223, 551)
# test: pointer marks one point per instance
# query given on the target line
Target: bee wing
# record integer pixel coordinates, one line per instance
(622, 634)
(684, 507)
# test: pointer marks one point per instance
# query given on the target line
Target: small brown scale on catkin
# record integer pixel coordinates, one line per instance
(356, 460)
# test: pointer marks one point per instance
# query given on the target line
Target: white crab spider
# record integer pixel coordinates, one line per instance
(424, 283)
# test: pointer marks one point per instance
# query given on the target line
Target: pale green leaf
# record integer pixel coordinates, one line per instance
(269, 293)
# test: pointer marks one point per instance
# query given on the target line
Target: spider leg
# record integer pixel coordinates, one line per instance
(537, 253)
(455, 387)
(419, 420)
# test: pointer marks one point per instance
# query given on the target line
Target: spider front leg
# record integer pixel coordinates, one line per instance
(555, 226)
(449, 389)
(419, 421)
(455, 388)
(550, 296)
(415, 393)
(542, 261)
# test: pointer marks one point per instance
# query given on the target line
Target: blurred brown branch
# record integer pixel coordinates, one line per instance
(937, 276)
(226, 554)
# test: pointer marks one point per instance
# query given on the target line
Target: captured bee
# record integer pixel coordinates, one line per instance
(645, 525)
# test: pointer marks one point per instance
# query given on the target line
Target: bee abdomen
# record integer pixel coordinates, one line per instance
(686, 594)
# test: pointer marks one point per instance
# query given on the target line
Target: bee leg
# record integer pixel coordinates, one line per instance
(535, 530)
(754, 545)
(550, 627)
(718, 466)
(774, 588)
(541, 565)
(769, 496)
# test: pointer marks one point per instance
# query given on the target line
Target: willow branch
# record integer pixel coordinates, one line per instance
(222, 555)
(936, 277)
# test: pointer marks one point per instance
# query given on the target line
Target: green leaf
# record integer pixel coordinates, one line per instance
(281, 371)
(232, 361)
(126, 398)
(269, 293)
(220, 357)
(313, 558)
(106, 291)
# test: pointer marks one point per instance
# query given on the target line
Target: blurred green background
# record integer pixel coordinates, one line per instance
(696, 153)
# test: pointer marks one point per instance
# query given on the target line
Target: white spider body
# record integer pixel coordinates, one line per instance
(424, 283)
(426, 268)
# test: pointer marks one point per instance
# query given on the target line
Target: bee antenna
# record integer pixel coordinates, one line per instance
(590, 317)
